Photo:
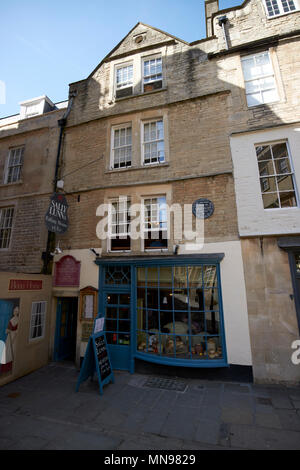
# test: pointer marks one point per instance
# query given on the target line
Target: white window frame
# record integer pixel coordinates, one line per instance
(259, 77)
(120, 199)
(145, 230)
(113, 148)
(33, 317)
(146, 59)
(280, 4)
(4, 217)
(143, 143)
(275, 175)
(11, 156)
(123, 66)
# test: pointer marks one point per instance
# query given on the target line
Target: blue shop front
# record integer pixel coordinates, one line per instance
(165, 310)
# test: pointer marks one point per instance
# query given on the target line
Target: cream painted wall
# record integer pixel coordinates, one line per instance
(233, 294)
(234, 300)
(253, 219)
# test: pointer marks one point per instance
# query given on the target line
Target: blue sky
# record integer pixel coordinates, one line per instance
(48, 44)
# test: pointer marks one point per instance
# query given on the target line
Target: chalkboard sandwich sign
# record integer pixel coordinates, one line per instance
(97, 360)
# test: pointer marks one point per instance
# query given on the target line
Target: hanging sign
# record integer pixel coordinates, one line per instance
(56, 218)
(97, 360)
(203, 208)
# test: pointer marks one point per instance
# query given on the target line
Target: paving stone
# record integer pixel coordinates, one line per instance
(208, 431)
(268, 420)
(181, 423)
(281, 400)
(155, 420)
(83, 441)
(237, 415)
(296, 404)
(190, 399)
(254, 437)
(237, 388)
(150, 443)
(29, 443)
(289, 419)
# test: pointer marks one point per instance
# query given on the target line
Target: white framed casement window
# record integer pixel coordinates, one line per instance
(276, 174)
(152, 73)
(280, 7)
(6, 222)
(155, 223)
(37, 322)
(153, 146)
(259, 79)
(121, 146)
(123, 80)
(14, 165)
(119, 224)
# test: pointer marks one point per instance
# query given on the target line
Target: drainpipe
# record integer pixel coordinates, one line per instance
(222, 21)
(46, 256)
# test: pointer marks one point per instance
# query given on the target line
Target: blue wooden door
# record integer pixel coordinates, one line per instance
(66, 324)
(117, 308)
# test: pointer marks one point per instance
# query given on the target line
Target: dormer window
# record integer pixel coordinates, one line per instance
(36, 106)
(280, 7)
(152, 73)
(124, 80)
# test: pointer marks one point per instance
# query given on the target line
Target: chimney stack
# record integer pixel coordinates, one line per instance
(211, 7)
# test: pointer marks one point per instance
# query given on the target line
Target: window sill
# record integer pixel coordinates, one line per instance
(263, 104)
(282, 14)
(4, 185)
(131, 168)
(136, 95)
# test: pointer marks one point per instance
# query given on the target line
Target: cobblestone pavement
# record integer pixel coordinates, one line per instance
(43, 411)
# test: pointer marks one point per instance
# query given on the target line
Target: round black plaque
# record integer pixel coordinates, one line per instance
(208, 208)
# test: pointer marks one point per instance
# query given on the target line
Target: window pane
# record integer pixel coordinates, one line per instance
(264, 153)
(285, 183)
(268, 184)
(269, 96)
(288, 199)
(254, 99)
(270, 200)
(266, 168)
(280, 150)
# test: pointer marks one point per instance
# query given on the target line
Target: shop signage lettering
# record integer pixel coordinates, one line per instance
(56, 218)
(67, 272)
(25, 284)
(96, 359)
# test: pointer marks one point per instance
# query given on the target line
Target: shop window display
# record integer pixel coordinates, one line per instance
(178, 312)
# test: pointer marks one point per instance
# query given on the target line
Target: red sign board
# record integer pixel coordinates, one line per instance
(67, 272)
(25, 284)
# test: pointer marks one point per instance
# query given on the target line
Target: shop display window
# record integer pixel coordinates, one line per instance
(178, 312)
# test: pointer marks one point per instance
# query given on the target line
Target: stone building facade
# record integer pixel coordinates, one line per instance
(28, 149)
(164, 123)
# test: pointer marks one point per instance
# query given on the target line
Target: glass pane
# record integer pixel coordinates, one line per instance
(124, 338)
(111, 325)
(112, 299)
(266, 168)
(280, 150)
(153, 320)
(269, 96)
(182, 347)
(195, 276)
(165, 276)
(268, 184)
(214, 350)
(212, 323)
(282, 165)
(124, 325)
(141, 276)
(209, 276)
(152, 298)
(211, 300)
(124, 313)
(181, 299)
(124, 299)
(152, 276)
(254, 99)
(111, 312)
(180, 276)
(111, 338)
(166, 301)
(198, 323)
(297, 260)
(285, 183)
(288, 199)
(270, 200)
(196, 299)
(169, 345)
(263, 153)
(198, 347)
